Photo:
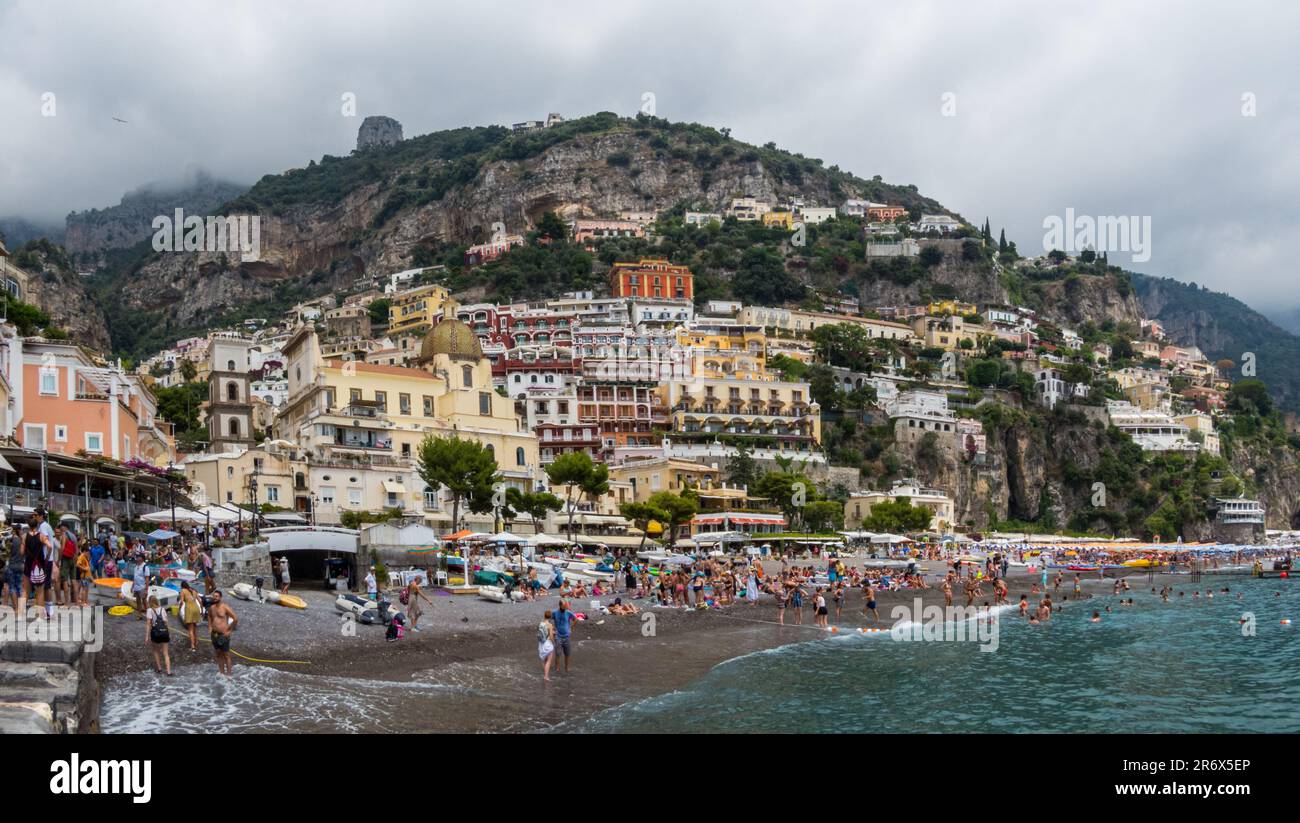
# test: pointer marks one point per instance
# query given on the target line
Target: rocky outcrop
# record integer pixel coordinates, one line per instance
(89, 233)
(47, 687)
(378, 131)
(1080, 298)
(61, 293)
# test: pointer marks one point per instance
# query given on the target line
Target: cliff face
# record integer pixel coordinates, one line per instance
(1095, 299)
(61, 293)
(324, 226)
(89, 233)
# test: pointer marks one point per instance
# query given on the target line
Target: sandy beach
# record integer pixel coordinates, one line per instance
(484, 653)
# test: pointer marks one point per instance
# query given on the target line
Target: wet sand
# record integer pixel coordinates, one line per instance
(485, 653)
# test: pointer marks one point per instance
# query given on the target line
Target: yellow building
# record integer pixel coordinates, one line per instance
(778, 219)
(774, 414)
(726, 351)
(419, 308)
(663, 474)
(951, 307)
(947, 333)
(791, 322)
(378, 415)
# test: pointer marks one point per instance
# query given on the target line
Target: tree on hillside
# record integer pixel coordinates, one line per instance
(465, 468)
(761, 278)
(188, 370)
(552, 227)
(823, 516)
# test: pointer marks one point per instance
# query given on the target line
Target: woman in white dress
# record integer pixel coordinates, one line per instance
(546, 645)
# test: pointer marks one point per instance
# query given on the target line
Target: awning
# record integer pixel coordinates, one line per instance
(393, 487)
(4, 465)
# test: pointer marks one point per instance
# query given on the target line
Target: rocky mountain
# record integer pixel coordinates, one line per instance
(89, 233)
(1224, 327)
(55, 288)
(15, 231)
(387, 207)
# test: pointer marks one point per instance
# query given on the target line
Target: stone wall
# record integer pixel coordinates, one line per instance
(47, 687)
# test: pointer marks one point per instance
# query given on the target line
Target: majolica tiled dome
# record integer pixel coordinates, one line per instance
(452, 338)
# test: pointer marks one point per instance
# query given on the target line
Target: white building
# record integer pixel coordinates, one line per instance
(941, 223)
(702, 218)
(814, 215)
(1152, 429)
(1052, 389)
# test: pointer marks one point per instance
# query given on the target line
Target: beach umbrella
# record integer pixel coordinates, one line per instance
(162, 534)
(506, 537)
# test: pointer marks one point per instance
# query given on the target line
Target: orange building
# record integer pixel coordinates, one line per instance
(63, 402)
(651, 278)
(885, 214)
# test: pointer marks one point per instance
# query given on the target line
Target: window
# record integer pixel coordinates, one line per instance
(60, 434)
(485, 403)
(234, 427)
(34, 436)
(519, 456)
(230, 365)
(428, 406)
(381, 400)
(272, 494)
(49, 381)
(354, 395)
(406, 450)
(404, 403)
(232, 392)
(95, 442)
(327, 494)
(467, 376)
(126, 447)
(354, 496)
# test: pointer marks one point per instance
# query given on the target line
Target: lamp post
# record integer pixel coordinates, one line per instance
(252, 490)
(171, 490)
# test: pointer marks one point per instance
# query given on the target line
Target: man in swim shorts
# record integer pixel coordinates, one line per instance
(221, 621)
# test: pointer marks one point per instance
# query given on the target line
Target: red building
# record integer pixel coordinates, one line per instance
(651, 278)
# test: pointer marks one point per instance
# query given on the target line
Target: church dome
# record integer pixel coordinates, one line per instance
(452, 338)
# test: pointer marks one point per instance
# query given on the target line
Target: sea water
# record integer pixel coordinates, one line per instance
(1182, 666)
(1188, 665)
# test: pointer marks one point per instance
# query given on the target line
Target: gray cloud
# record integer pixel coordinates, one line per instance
(1111, 108)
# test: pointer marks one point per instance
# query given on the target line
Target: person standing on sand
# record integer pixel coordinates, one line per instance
(563, 619)
(190, 612)
(782, 595)
(284, 575)
(869, 594)
(372, 586)
(221, 621)
(545, 645)
(413, 596)
(157, 636)
(947, 589)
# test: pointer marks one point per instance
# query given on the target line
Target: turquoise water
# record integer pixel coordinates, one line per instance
(1182, 666)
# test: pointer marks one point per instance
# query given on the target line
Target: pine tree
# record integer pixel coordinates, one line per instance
(1002, 242)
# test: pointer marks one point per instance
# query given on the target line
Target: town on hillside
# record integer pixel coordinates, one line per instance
(321, 416)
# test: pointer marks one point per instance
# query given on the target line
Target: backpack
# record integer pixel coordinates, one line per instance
(405, 597)
(158, 632)
(542, 633)
(69, 547)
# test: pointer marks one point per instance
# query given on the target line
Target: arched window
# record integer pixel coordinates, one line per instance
(234, 427)
(519, 456)
(467, 376)
(232, 392)
(491, 451)
(230, 365)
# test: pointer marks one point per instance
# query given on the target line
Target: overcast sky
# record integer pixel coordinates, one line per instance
(1107, 108)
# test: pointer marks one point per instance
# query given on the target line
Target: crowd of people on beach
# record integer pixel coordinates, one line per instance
(51, 566)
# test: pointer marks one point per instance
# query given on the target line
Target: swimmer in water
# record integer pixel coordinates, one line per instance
(1096, 617)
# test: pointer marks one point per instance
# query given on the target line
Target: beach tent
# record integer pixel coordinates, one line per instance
(506, 537)
(180, 514)
(460, 535)
(544, 539)
(221, 514)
